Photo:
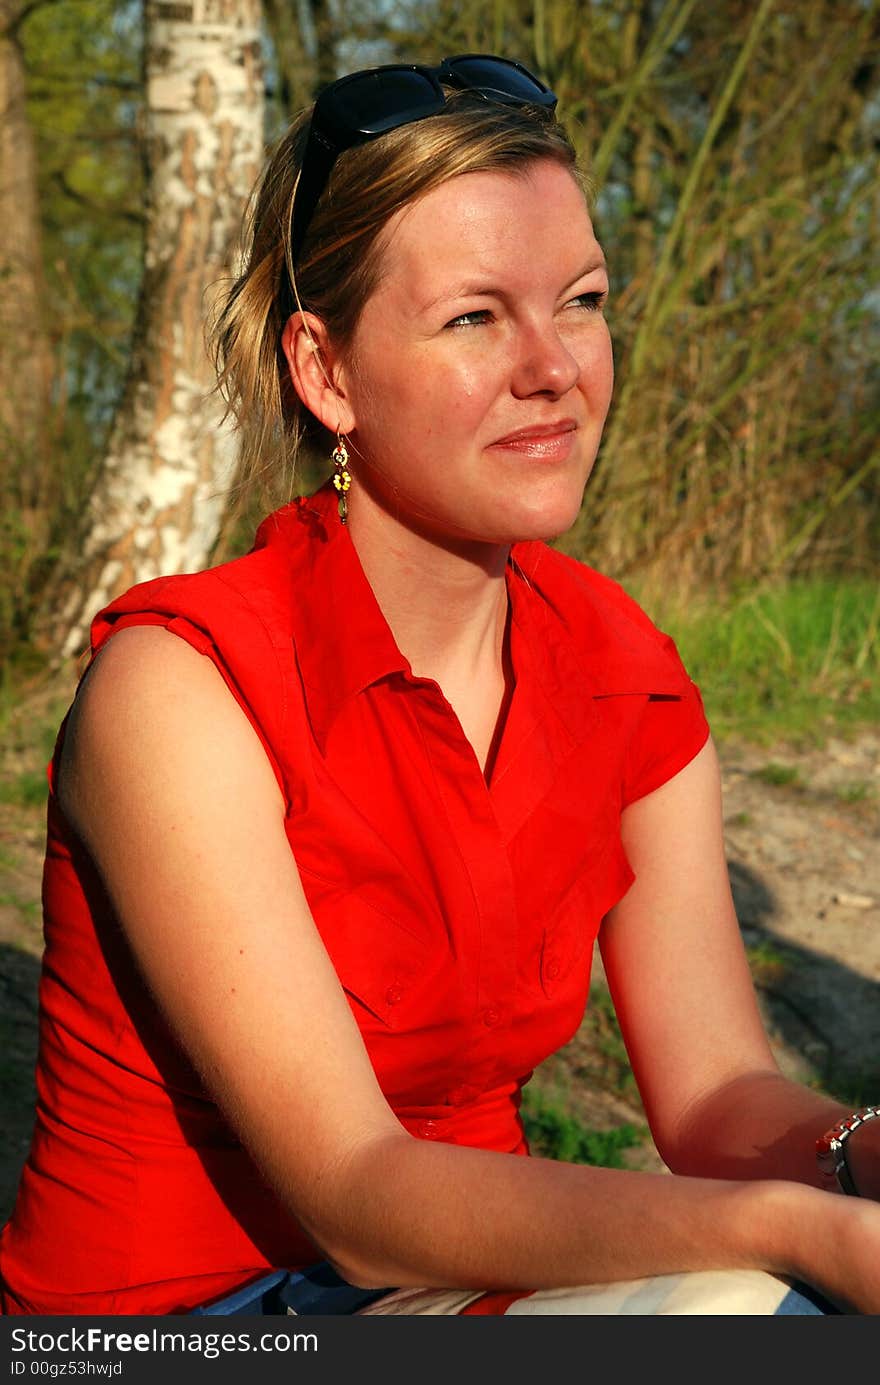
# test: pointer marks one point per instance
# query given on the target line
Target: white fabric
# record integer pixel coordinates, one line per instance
(709, 1293)
(423, 1301)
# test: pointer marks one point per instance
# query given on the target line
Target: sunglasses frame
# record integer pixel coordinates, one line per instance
(332, 129)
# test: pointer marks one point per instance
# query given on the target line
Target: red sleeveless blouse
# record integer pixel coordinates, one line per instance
(460, 915)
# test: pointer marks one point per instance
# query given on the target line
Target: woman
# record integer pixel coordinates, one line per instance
(333, 827)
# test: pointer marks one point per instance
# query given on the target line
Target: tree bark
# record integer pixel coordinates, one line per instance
(25, 355)
(160, 495)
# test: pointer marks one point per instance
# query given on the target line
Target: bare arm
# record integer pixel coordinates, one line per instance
(166, 782)
(716, 1100)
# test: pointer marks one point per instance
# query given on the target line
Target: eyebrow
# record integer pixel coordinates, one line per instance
(476, 288)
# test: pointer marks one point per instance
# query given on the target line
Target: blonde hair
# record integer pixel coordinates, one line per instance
(340, 260)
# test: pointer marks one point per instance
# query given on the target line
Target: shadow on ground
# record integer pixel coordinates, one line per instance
(19, 977)
(824, 1015)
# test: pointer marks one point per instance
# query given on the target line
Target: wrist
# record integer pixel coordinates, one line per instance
(784, 1218)
(863, 1159)
(849, 1146)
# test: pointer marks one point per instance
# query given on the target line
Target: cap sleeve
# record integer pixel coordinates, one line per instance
(667, 736)
(220, 625)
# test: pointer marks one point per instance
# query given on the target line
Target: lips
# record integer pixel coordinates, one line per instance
(542, 432)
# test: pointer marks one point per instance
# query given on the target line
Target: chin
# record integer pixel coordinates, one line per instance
(543, 520)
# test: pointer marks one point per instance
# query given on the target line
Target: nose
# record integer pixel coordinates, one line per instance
(544, 365)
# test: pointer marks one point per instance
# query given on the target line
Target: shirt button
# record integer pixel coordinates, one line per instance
(551, 971)
(393, 995)
(490, 1017)
(429, 1130)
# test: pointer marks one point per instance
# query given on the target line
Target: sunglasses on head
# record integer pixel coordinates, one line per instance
(367, 104)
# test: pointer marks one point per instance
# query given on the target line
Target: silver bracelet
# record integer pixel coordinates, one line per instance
(831, 1149)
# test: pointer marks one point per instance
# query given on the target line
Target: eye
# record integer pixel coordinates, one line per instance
(594, 302)
(478, 318)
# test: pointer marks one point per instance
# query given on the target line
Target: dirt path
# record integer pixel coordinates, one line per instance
(805, 867)
(802, 839)
(802, 834)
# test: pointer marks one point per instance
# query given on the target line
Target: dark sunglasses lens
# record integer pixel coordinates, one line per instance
(379, 101)
(505, 79)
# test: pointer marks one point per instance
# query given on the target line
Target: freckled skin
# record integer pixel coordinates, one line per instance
(479, 329)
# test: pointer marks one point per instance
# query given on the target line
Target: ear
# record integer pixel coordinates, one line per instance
(317, 372)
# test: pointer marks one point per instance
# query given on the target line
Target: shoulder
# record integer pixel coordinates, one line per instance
(140, 679)
(607, 630)
(581, 589)
(238, 615)
(149, 715)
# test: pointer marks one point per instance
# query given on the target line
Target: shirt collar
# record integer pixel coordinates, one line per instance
(343, 641)
(584, 640)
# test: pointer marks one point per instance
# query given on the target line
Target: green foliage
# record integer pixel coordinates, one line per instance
(733, 150)
(82, 61)
(796, 661)
(24, 730)
(555, 1134)
(608, 1063)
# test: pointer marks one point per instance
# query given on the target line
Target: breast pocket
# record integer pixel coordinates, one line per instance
(569, 935)
(382, 966)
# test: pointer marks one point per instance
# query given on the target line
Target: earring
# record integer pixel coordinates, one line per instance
(342, 475)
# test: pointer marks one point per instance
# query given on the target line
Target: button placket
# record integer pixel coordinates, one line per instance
(486, 935)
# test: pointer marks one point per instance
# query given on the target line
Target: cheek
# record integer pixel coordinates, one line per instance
(443, 395)
(479, 373)
(597, 363)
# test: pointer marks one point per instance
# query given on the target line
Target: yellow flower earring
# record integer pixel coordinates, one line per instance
(341, 475)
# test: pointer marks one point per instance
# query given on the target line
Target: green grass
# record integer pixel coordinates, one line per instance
(859, 791)
(554, 1134)
(854, 1087)
(607, 1062)
(767, 962)
(8, 859)
(29, 908)
(784, 776)
(797, 662)
(26, 790)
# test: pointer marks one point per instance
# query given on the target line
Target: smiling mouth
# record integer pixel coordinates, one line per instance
(545, 432)
(549, 441)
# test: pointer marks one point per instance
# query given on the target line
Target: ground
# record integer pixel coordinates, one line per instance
(802, 830)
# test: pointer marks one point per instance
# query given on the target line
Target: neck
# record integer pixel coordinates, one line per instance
(446, 602)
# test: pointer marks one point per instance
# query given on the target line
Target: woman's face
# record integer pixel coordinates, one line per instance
(480, 372)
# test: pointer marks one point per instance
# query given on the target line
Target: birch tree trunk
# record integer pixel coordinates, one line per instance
(160, 494)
